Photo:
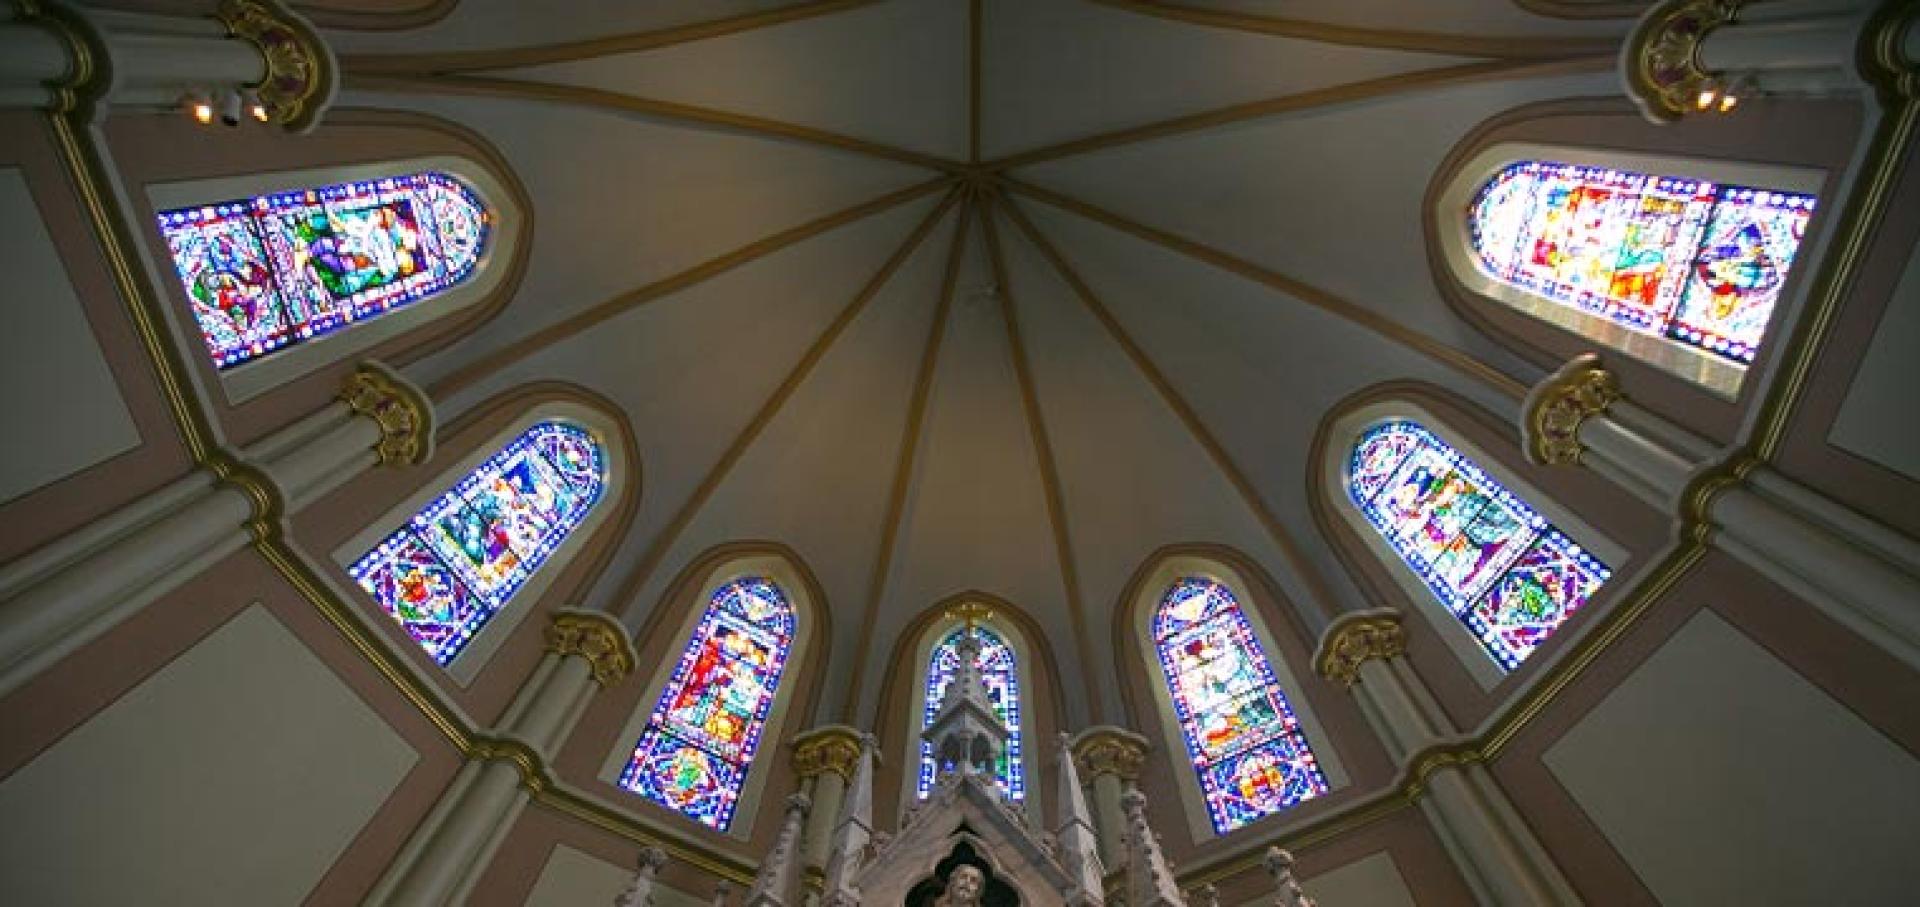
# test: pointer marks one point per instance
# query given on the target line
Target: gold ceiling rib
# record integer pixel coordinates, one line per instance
(903, 463)
(1503, 47)
(1293, 287)
(1049, 476)
(472, 372)
(568, 51)
(518, 89)
(1315, 585)
(1368, 89)
(657, 551)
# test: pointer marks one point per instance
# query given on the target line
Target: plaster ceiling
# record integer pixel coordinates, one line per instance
(1064, 432)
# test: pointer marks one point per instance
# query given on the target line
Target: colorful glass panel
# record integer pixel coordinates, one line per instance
(703, 732)
(1245, 742)
(1494, 562)
(463, 555)
(278, 269)
(1001, 673)
(1697, 262)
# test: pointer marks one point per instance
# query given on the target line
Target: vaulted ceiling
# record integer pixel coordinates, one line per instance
(811, 355)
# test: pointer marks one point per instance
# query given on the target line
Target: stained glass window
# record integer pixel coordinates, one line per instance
(1496, 565)
(455, 564)
(1003, 690)
(694, 755)
(266, 272)
(1245, 742)
(1696, 262)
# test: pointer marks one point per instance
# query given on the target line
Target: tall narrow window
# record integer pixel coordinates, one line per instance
(273, 270)
(1694, 262)
(1496, 565)
(694, 754)
(455, 564)
(1245, 742)
(1003, 689)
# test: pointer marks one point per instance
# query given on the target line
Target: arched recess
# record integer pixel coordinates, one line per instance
(1281, 684)
(670, 640)
(458, 495)
(1670, 370)
(902, 704)
(170, 164)
(1486, 460)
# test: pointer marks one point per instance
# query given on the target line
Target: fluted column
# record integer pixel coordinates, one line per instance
(1688, 57)
(1109, 759)
(586, 651)
(68, 593)
(824, 759)
(250, 54)
(1852, 568)
(1497, 853)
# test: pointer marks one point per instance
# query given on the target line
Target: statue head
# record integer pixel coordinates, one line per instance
(965, 885)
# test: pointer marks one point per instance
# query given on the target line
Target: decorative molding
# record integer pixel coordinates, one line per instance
(402, 411)
(1553, 411)
(1109, 750)
(1355, 638)
(832, 748)
(302, 74)
(596, 637)
(1660, 61)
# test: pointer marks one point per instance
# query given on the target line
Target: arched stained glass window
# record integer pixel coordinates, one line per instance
(455, 564)
(1498, 566)
(266, 272)
(1245, 742)
(997, 665)
(694, 754)
(1695, 262)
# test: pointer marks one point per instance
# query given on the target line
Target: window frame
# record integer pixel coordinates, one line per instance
(1718, 376)
(258, 376)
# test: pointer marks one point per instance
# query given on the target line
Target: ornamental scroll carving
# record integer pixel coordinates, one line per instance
(403, 413)
(1356, 638)
(1556, 407)
(1110, 751)
(301, 70)
(595, 637)
(1660, 62)
(831, 749)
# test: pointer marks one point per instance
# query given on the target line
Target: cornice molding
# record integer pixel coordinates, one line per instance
(1552, 413)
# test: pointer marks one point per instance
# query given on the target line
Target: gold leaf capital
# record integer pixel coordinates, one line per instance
(596, 637)
(1660, 61)
(833, 748)
(400, 409)
(1108, 750)
(301, 70)
(1353, 639)
(1553, 411)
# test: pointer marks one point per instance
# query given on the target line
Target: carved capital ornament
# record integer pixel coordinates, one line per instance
(596, 637)
(404, 414)
(829, 749)
(1110, 751)
(1660, 61)
(1554, 410)
(1356, 638)
(301, 70)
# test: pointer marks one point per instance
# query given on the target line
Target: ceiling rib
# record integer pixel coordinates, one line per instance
(903, 466)
(974, 16)
(568, 51)
(1368, 89)
(643, 570)
(1049, 479)
(594, 98)
(1320, 598)
(1505, 47)
(471, 373)
(1293, 287)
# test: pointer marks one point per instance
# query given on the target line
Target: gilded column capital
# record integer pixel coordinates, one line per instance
(1660, 61)
(1354, 638)
(596, 637)
(1885, 58)
(1109, 750)
(831, 748)
(1551, 415)
(302, 72)
(402, 411)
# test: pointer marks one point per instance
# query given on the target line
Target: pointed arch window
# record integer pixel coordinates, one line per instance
(693, 755)
(459, 559)
(1505, 573)
(269, 271)
(1245, 742)
(999, 667)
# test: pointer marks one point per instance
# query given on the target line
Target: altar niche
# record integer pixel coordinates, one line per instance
(963, 879)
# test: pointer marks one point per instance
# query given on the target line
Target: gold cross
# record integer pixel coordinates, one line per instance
(973, 613)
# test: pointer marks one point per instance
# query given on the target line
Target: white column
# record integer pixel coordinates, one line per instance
(1112, 757)
(1858, 572)
(1497, 853)
(586, 650)
(824, 759)
(60, 597)
(1685, 56)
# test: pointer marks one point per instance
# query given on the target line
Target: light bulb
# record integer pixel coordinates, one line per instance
(256, 108)
(1706, 99)
(198, 107)
(1727, 102)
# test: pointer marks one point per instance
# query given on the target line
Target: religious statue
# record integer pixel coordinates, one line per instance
(964, 887)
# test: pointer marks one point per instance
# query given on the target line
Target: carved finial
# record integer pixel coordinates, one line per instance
(1553, 411)
(1286, 889)
(1204, 896)
(639, 892)
(722, 890)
